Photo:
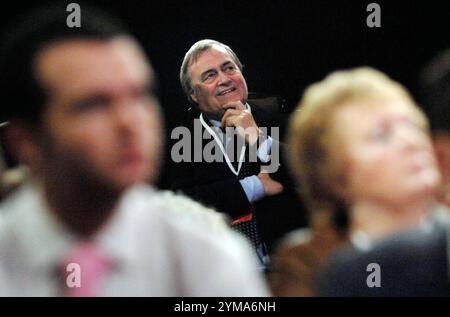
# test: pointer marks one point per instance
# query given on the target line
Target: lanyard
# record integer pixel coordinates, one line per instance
(219, 142)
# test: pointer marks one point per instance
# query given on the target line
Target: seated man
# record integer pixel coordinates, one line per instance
(84, 118)
(232, 159)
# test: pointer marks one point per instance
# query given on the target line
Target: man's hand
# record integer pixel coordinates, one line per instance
(271, 187)
(237, 116)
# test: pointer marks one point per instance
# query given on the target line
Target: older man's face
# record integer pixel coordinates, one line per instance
(216, 81)
(102, 119)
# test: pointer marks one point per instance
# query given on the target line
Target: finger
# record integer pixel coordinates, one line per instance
(233, 112)
(230, 121)
(230, 113)
(248, 116)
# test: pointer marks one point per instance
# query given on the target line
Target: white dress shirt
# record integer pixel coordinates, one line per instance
(163, 244)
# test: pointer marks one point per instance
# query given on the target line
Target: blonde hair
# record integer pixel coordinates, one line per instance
(311, 156)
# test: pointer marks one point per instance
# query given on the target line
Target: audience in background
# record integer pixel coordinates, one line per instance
(434, 91)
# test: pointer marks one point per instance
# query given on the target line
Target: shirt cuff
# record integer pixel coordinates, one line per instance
(253, 188)
(265, 149)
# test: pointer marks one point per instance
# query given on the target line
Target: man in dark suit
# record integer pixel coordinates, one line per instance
(230, 140)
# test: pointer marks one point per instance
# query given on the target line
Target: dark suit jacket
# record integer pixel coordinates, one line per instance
(216, 186)
(414, 263)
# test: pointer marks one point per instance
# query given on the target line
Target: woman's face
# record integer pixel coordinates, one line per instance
(388, 157)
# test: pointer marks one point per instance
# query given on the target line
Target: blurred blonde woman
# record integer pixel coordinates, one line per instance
(361, 151)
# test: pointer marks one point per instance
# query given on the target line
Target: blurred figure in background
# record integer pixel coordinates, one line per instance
(361, 150)
(84, 117)
(416, 262)
(434, 85)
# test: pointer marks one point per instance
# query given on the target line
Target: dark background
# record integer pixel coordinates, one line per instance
(284, 45)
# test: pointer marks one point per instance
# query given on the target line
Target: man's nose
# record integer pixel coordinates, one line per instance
(223, 79)
(126, 114)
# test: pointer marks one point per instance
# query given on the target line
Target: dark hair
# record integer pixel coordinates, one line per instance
(21, 94)
(434, 90)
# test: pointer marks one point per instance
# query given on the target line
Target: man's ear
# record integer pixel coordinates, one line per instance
(21, 142)
(194, 97)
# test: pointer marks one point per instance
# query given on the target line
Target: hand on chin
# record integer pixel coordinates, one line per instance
(234, 104)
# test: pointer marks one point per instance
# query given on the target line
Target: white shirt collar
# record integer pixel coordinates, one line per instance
(37, 225)
(361, 241)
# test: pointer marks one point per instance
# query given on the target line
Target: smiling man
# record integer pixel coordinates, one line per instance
(218, 87)
(85, 119)
(262, 205)
(217, 65)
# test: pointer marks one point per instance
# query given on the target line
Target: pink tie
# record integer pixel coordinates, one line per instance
(84, 268)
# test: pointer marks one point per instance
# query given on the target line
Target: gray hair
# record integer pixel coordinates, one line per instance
(192, 56)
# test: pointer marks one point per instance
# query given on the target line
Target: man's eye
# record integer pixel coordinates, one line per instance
(90, 104)
(230, 69)
(208, 76)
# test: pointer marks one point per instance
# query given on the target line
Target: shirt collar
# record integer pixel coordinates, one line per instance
(117, 236)
(36, 226)
(361, 241)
